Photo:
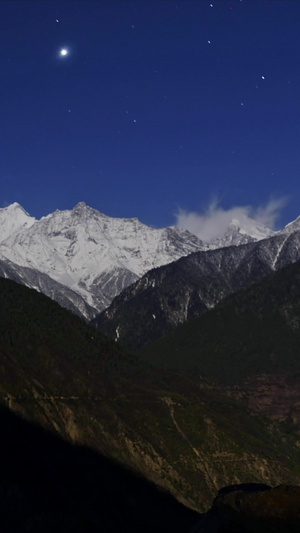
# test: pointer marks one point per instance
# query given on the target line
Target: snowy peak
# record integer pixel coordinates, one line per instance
(13, 219)
(292, 226)
(238, 233)
(82, 210)
(80, 206)
(94, 254)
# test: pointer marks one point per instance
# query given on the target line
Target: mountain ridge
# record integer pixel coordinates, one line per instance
(172, 294)
(91, 257)
(93, 254)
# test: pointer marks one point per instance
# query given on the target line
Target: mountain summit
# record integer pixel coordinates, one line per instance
(13, 219)
(238, 233)
(292, 226)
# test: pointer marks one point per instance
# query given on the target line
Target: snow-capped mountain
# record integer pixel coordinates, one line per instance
(94, 255)
(292, 226)
(13, 219)
(83, 258)
(238, 233)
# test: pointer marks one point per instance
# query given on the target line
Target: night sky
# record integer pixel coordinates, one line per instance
(155, 106)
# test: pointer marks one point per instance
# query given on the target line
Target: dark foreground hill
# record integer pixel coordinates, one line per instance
(182, 435)
(251, 508)
(50, 485)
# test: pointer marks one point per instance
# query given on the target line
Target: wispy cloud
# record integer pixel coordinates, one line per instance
(213, 221)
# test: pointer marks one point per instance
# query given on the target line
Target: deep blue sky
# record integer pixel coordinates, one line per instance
(158, 104)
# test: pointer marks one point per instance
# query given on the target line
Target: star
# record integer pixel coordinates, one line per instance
(63, 52)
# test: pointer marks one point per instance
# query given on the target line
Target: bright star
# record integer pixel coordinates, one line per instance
(63, 52)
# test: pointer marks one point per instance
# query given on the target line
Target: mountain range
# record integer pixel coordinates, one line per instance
(91, 254)
(143, 281)
(168, 296)
(83, 258)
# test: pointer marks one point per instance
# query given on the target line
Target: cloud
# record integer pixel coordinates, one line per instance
(212, 222)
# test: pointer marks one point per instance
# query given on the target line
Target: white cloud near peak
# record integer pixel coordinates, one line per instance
(213, 221)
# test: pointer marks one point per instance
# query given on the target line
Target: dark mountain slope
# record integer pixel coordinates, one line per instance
(254, 331)
(181, 435)
(48, 286)
(181, 291)
(248, 346)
